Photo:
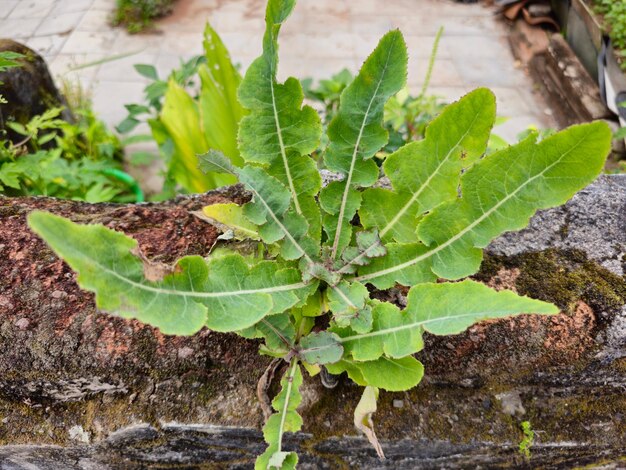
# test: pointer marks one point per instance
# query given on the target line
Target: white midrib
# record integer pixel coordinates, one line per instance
(344, 199)
(283, 417)
(409, 326)
(159, 290)
(466, 230)
(411, 201)
(297, 245)
(426, 183)
(283, 152)
(283, 228)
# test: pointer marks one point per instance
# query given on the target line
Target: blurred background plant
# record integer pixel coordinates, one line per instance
(614, 12)
(195, 109)
(8, 60)
(406, 115)
(79, 160)
(138, 15)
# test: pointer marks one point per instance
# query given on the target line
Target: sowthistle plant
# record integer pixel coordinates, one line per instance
(307, 296)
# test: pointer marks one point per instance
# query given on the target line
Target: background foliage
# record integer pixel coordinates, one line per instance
(138, 15)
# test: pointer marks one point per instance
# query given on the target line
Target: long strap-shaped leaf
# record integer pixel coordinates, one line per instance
(220, 110)
(499, 194)
(279, 131)
(224, 294)
(286, 419)
(356, 132)
(269, 209)
(426, 173)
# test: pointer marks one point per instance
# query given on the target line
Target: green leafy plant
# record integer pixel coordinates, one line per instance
(528, 440)
(614, 13)
(185, 124)
(138, 15)
(8, 60)
(326, 248)
(405, 116)
(71, 160)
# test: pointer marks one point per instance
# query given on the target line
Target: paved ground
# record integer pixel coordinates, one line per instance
(321, 37)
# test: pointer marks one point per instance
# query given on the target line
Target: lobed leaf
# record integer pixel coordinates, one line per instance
(499, 194)
(348, 303)
(270, 209)
(356, 133)
(286, 419)
(394, 375)
(224, 294)
(440, 309)
(426, 173)
(321, 348)
(277, 331)
(279, 132)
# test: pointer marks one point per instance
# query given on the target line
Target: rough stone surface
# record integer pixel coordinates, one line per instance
(71, 373)
(195, 447)
(593, 221)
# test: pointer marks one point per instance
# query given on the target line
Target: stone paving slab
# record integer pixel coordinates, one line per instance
(321, 38)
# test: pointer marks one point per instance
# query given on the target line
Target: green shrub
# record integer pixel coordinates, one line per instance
(192, 111)
(614, 12)
(79, 160)
(137, 15)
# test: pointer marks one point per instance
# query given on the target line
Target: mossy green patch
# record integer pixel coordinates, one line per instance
(562, 277)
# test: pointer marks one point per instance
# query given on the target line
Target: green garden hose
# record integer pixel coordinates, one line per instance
(127, 179)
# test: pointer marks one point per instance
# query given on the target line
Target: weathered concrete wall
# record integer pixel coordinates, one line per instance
(72, 376)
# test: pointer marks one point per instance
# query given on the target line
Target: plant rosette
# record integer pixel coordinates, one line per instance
(306, 293)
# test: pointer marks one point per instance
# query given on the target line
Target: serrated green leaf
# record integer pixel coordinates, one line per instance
(224, 294)
(500, 193)
(269, 210)
(279, 131)
(426, 173)
(321, 348)
(330, 200)
(393, 333)
(368, 246)
(215, 161)
(440, 309)
(356, 132)
(347, 302)
(286, 419)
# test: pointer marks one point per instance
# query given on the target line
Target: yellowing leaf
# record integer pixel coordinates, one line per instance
(229, 216)
(363, 417)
